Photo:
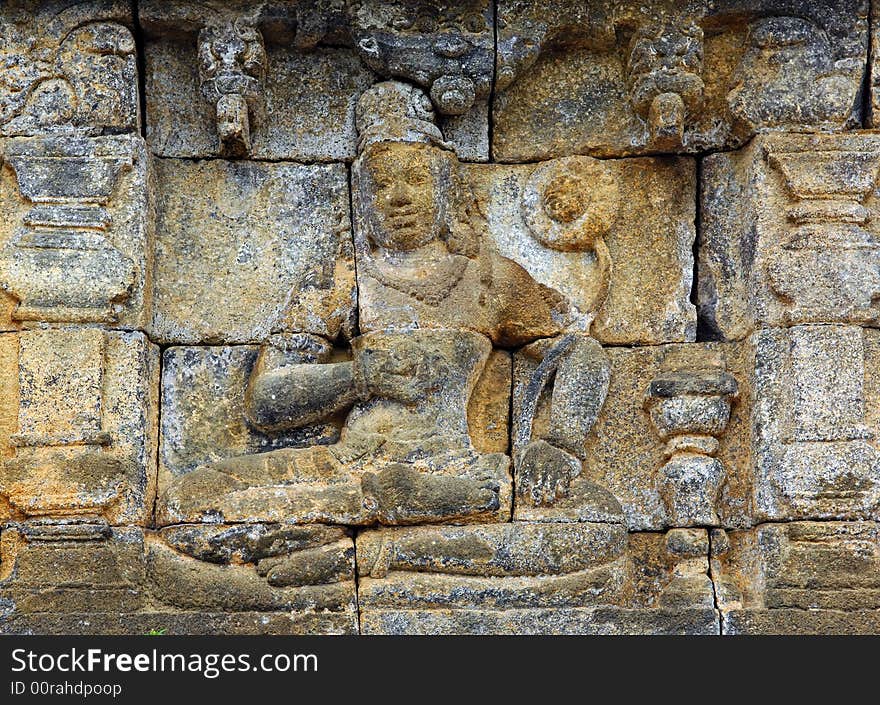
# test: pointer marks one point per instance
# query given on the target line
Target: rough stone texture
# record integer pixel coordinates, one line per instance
(789, 233)
(67, 65)
(390, 322)
(76, 239)
(803, 577)
(245, 249)
(664, 406)
(80, 425)
(548, 219)
(527, 578)
(610, 78)
(816, 423)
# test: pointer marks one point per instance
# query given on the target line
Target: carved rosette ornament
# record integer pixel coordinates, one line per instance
(689, 410)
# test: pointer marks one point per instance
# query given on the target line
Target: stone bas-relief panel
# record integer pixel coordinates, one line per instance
(81, 575)
(76, 238)
(789, 233)
(67, 65)
(246, 249)
(80, 416)
(403, 454)
(309, 367)
(611, 79)
(682, 412)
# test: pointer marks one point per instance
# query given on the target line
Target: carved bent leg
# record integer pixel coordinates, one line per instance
(546, 467)
(302, 485)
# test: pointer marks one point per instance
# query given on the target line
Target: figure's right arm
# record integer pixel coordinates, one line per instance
(290, 388)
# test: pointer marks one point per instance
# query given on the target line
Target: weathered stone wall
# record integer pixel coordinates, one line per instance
(344, 316)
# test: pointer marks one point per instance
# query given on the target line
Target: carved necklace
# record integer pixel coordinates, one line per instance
(444, 276)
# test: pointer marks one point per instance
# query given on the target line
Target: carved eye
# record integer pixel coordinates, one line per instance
(474, 23)
(425, 23)
(401, 23)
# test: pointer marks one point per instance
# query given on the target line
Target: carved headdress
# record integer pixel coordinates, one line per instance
(393, 111)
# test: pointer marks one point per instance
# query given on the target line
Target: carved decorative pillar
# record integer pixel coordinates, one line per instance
(69, 181)
(826, 240)
(689, 410)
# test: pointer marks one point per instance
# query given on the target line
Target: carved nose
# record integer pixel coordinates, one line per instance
(398, 195)
(451, 46)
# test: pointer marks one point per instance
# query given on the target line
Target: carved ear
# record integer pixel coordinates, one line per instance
(461, 233)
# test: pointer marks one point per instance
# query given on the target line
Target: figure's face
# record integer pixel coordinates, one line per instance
(407, 187)
(565, 199)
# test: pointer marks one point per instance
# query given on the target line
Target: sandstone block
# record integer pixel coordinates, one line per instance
(52, 566)
(83, 576)
(245, 249)
(523, 578)
(447, 50)
(233, 80)
(815, 421)
(204, 414)
(404, 455)
(682, 412)
(614, 237)
(789, 235)
(67, 66)
(799, 577)
(80, 415)
(76, 243)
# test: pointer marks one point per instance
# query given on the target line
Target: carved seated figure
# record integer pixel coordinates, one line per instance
(433, 299)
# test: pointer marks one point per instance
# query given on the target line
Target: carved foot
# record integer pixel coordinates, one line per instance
(544, 472)
(402, 495)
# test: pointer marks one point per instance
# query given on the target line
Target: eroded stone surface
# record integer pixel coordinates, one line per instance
(76, 240)
(815, 421)
(80, 425)
(788, 233)
(67, 66)
(628, 78)
(186, 579)
(405, 392)
(801, 577)
(580, 226)
(249, 249)
(234, 79)
(525, 578)
(683, 412)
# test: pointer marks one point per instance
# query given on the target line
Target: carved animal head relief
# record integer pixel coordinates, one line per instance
(664, 68)
(232, 69)
(447, 48)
